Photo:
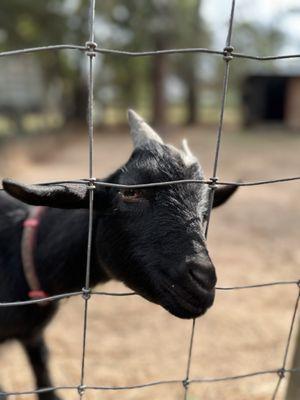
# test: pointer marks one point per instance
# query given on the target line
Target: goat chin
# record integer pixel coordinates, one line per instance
(184, 309)
(180, 303)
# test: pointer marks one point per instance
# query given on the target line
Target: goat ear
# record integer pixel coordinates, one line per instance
(222, 194)
(141, 132)
(56, 195)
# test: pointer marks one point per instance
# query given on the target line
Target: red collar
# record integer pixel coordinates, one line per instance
(28, 245)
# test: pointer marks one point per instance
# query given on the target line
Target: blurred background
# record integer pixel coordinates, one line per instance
(253, 239)
(48, 90)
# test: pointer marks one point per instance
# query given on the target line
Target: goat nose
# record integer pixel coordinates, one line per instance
(203, 273)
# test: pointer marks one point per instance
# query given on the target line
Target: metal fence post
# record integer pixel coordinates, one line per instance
(293, 389)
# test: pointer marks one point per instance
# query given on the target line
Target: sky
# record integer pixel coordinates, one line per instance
(263, 10)
(216, 13)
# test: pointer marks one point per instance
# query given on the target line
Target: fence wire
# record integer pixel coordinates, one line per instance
(91, 49)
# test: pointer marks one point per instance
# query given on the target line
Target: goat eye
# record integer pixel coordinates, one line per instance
(131, 195)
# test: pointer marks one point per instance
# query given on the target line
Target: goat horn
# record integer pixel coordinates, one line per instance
(140, 131)
(186, 149)
(188, 156)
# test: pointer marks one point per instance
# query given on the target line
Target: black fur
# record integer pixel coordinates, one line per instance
(154, 244)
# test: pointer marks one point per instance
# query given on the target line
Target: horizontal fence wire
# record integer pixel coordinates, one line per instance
(275, 372)
(99, 50)
(124, 294)
(91, 49)
(168, 183)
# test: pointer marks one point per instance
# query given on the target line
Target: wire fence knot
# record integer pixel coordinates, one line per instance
(281, 373)
(91, 185)
(227, 51)
(81, 389)
(213, 182)
(90, 48)
(185, 383)
(86, 293)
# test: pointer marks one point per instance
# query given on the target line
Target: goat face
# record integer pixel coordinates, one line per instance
(151, 239)
(154, 241)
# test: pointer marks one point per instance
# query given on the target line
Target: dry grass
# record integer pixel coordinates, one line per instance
(253, 239)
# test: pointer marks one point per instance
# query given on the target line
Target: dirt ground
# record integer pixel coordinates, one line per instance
(253, 239)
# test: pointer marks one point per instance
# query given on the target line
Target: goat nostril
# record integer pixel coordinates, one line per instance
(204, 275)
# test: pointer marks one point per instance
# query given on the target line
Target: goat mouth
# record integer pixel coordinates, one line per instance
(187, 298)
(184, 304)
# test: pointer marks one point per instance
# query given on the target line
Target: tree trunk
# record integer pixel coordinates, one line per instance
(192, 99)
(159, 100)
(75, 102)
(80, 101)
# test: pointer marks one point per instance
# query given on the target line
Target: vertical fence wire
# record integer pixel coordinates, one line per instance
(227, 58)
(91, 187)
(186, 381)
(228, 49)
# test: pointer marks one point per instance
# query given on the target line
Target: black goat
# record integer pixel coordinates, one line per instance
(150, 239)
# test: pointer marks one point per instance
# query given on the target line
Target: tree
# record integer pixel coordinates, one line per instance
(193, 33)
(33, 23)
(157, 25)
(132, 25)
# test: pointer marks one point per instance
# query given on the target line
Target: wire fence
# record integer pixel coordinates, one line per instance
(91, 49)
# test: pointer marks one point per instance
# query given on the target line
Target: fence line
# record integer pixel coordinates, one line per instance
(100, 183)
(212, 186)
(99, 50)
(91, 49)
(157, 383)
(125, 294)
